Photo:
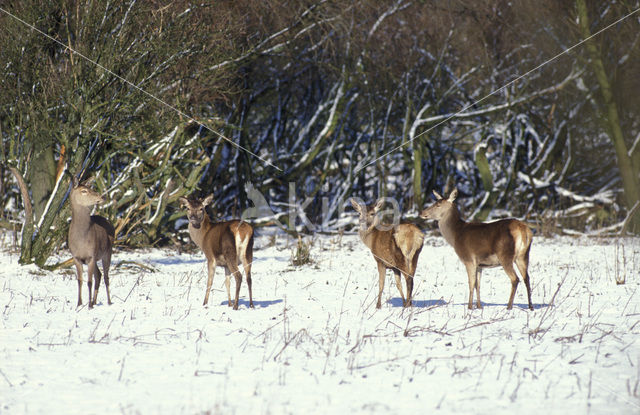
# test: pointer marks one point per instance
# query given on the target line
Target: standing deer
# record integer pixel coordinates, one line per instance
(484, 245)
(396, 249)
(90, 239)
(223, 243)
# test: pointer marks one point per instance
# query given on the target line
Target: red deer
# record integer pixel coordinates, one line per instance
(484, 245)
(223, 243)
(90, 239)
(396, 249)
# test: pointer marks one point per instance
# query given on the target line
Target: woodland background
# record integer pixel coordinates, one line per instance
(321, 90)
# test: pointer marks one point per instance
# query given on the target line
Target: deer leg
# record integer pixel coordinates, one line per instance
(508, 268)
(412, 269)
(79, 277)
(238, 276)
(90, 271)
(472, 271)
(227, 283)
(106, 263)
(478, 277)
(211, 269)
(523, 265)
(396, 273)
(247, 270)
(409, 281)
(382, 269)
(98, 277)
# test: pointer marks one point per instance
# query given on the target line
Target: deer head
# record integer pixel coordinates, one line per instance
(196, 212)
(441, 207)
(368, 215)
(83, 195)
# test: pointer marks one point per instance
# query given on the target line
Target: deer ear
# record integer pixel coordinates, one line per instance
(208, 200)
(453, 194)
(75, 181)
(379, 205)
(184, 202)
(89, 181)
(355, 204)
(437, 195)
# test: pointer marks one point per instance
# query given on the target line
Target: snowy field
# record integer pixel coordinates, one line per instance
(315, 342)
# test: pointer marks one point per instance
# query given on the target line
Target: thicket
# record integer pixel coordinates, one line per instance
(334, 99)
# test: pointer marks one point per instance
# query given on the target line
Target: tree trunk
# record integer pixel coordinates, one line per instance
(42, 177)
(628, 173)
(39, 242)
(27, 226)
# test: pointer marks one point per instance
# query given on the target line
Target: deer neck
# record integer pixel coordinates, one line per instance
(450, 225)
(366, 232)
(197, 234)
(80, 217)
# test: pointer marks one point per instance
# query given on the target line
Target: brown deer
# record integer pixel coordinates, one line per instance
(484, 245)
(396, 249)
(223, 243)
(90, 239)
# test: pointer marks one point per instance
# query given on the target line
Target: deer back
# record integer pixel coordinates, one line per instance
(483, 243)
(384, 247)
(243, 234)
(409, 239)
(218, 241)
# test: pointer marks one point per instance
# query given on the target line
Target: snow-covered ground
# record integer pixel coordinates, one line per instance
(315, 342)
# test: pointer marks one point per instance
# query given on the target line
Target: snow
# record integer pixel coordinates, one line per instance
(315, 342)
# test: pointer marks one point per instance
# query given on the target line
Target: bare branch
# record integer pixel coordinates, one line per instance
(24, 192)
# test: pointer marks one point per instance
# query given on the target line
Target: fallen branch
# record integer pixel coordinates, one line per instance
(136, 264)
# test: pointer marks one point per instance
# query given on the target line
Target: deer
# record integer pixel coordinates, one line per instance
(484, 245)
(90, 239)
(224, 244)
(396, 249)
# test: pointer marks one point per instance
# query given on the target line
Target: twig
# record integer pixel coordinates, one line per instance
(288, 342)
(6, 378)
(395, 359)
(121, 369)
(632, 212)
(575, 361)
(483, 323)
(132, 288)
(605, 334)
(199, 372)
(539, 328)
